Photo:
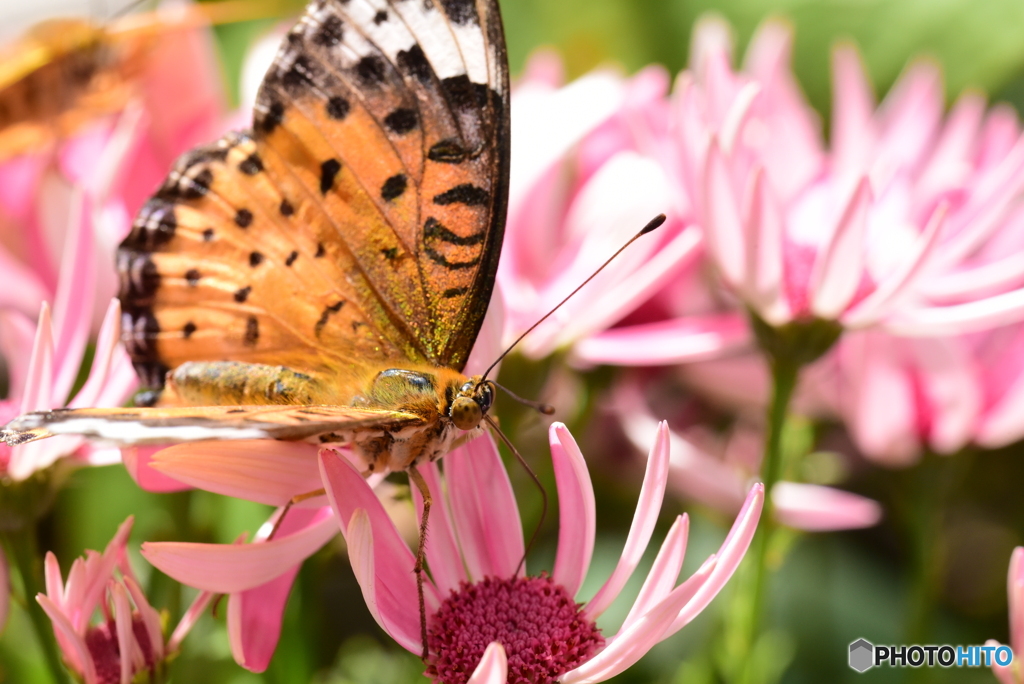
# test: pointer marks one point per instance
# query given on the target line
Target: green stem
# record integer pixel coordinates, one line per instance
(784, 377)
(24, 551)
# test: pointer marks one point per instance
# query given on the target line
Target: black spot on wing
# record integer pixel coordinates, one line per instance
(269, 117)
(286, 208)
(414, 63)
(242, 293)
(393, 187)
(243, 218)
(252, 331)
(326, 314)
(328, 171)
(435, 230)
(371, 70)
(208, 235)
(338, 108)
(291, 258)
(461, 12)
(467, 194)
(300, 76)
(251, 165)
(189, 328)
(192, 276)
(320, 251)
(455, 292)
(330, 32)
(380, 17)
(255, 259)
(464, 94)
(401, 121)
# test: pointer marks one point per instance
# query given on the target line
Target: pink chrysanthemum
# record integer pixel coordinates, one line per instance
(129, 639)
(476, 595)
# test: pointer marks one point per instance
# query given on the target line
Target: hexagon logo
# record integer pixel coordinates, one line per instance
(862, 655)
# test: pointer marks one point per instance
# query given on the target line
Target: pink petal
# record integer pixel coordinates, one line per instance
(127, 647)
(19, 184)
(903, 278)
(39, 378)
(1006, 674)
(678, 340)
(632, 643)
(1001, 424)
(727, 559)
(138, 462)
(106, 343)
(723, 228)
(189, 619)
(254, 621)
(1015, 599)
(230, 568)
(484, 510)
(442, 550)
(262, 470)
(664, 571)
(648, 506)
(960, 319)
(73, 303)
(822, 509)
(577, 510)
(75, 651)
(911, 113)
(17, 333)
(359, 536)
(839, 266)
(493, 667)
(763, 233)
(854, 137)
(394, 582)
(28, 291)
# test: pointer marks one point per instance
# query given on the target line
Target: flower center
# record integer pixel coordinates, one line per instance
(537, 622)
(101, 641)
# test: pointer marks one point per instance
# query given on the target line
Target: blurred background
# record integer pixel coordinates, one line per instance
(832, 589)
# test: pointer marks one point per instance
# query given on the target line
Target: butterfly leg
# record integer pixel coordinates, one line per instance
(417, 478)
(297, 499)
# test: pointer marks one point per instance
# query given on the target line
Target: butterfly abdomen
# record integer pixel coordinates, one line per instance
(228, 383)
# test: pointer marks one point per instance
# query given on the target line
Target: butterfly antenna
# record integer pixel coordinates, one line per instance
(546, 409)
(651, 225)
(536, 481)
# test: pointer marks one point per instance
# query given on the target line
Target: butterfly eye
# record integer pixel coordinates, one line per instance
(484, 396)
(466, 413)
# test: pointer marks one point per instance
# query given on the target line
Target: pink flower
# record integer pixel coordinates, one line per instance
(475, 549)
(586, 176)
(173, 101)
(868, 232)
(130, 638)
(1013, 673)
(716, 473)
(44, 359)
(900, 396)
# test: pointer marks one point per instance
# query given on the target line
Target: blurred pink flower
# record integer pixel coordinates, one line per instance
(901, 396)
(175, 102)
(130, 639)
(475, 549)
(717, 473)
(586, 177)
(1014, 672)
(43, 360)
(867, 233)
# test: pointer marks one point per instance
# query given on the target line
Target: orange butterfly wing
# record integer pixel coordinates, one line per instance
(360, 222)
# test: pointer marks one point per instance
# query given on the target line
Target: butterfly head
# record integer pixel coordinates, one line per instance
(472, 403)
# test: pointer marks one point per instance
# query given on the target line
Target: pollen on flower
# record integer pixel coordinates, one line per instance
(101, 641)
(537, 622)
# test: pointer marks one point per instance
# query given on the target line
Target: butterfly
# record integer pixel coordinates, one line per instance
(63, 74)
(325, 274)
